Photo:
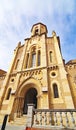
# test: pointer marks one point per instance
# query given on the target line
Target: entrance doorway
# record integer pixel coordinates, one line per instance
(30, 98)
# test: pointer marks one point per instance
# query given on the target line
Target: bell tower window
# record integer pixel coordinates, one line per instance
(36, 31)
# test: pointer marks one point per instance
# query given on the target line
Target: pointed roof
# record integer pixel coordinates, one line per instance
(71, 62)
(2, 72)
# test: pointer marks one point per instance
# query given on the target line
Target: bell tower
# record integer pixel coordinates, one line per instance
(38, 29)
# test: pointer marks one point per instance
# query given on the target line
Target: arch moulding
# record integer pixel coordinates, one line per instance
(27, 84)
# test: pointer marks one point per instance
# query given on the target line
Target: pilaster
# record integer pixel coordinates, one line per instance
(65, 85)
(5, 84)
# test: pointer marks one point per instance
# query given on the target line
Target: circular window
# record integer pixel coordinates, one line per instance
(53, 74)
(12, 80)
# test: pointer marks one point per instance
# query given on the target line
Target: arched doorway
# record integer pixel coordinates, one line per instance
(30, 98)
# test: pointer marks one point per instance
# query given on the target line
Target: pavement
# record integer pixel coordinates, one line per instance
(14, 127)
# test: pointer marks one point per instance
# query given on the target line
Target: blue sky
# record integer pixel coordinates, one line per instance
(18, 16)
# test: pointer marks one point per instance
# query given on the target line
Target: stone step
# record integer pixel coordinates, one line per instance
(1, 119)
(19, 121)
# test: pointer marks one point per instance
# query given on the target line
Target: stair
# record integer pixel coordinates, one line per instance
(1, 118)
(19, 120)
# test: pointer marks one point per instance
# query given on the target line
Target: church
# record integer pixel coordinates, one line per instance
(37, 75)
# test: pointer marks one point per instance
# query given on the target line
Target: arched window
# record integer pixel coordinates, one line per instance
(8, 94)
(17, 64)
(55, 90)
(33, 59)
(27, 60)
(36, 30)
(50, 56)
(39, 58)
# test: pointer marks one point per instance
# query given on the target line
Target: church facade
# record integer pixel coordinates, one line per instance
(38, 75)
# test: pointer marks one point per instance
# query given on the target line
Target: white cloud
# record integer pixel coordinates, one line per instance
(18, 16)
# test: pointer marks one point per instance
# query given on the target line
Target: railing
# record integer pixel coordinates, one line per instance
(48, 118)
(56, 117)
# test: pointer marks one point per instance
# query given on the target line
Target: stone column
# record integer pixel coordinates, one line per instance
(30, 115)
